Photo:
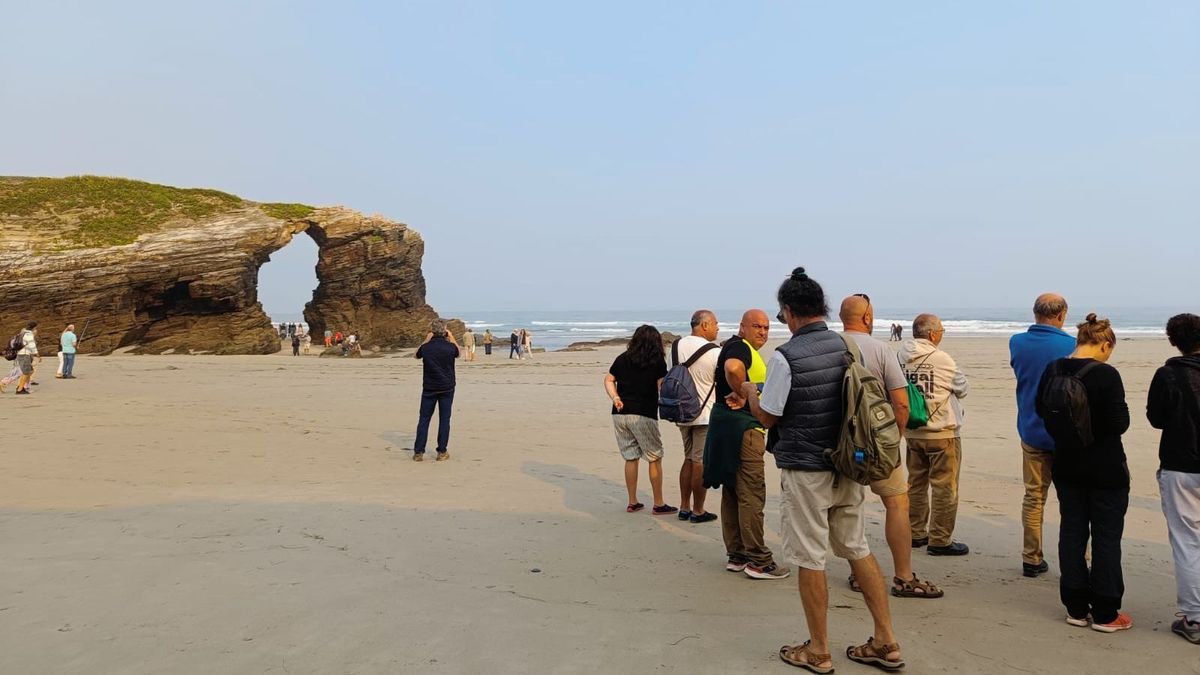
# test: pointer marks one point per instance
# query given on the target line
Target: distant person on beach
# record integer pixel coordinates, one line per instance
(734, 448)
(527, 343)
(515, 344)
(1029, 354)
(328, 338)
(632, 383)
(703, 371)
(307, 343)
(1082, 401)
(899, 332)
(801, 403)
(858, 319)
(437, 352)
(295, 345)
(1174, 406)
(66, 352)
(488, 338)
(934, 450)
(338, 338)
(469, 343)
(26, 357)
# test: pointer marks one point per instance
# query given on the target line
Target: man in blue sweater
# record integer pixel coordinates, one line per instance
(1030, 353)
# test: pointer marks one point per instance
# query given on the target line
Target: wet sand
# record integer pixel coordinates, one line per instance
(260, 515)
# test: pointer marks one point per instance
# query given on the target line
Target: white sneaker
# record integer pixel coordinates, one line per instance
(733, 566)
(1082, 623)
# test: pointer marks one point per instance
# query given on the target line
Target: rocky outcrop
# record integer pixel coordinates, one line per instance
(190, 284)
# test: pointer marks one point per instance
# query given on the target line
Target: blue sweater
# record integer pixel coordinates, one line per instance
(1030, 352)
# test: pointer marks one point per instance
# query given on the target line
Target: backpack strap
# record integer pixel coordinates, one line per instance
(695, 356)
(1087, 367)
(852, 349)
(675, 353)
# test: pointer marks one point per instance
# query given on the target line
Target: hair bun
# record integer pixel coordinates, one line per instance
(1092, 318)
(798, 274)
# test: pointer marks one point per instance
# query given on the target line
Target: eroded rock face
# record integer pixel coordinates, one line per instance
(193, 285)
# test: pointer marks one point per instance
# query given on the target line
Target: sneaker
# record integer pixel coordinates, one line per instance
(418, 457)
(1122, 622)
(1031, 570)
(1188, 630)
(955, 548)
(918, 543)
(734, 566)
(1083, 623)
(664, 510)
(706, 517)
(771, 571)
(442, 456)
(22, 392)
(684, 515)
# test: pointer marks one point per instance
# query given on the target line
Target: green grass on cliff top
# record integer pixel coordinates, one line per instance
(92, 211)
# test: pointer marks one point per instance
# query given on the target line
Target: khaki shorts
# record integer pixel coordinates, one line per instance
(638, 438)
(816, 517)
(895, 484)
(693, 442)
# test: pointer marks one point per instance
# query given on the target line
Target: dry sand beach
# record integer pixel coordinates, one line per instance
(259, 515)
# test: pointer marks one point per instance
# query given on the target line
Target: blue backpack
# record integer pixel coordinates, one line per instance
(678, 400)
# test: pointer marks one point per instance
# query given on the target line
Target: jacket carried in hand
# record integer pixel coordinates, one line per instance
(935, 373)
(1174, 406)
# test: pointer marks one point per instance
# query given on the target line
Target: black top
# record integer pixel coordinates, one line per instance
(812, 416)
(438, 355)
(1102, 464)
(1174, 407)
(637, 386)
(734, 348)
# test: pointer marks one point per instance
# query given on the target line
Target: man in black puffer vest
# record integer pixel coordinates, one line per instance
(801, 404)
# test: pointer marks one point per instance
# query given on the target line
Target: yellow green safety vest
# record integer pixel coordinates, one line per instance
(757, 372)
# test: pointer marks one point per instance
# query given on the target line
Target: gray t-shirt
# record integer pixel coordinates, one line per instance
(880, 360)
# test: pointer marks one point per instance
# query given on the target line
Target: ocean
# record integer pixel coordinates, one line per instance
(556, 329)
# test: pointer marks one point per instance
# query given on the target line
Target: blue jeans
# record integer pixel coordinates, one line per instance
(68, 364)
(443, 401)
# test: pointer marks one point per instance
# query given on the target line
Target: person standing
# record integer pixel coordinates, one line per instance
(437, 354)
(307, 343)
(801, 403)
(26, 357)
(527, 344)
(514, 344)
(469, 343)
(858, 322)
(1173, 405)
(295, 345)
(734, 448)
(328, 338)
(1029, 354)
(632, 383)
(1082, 401)
(67, 345)
(934, 450)
(691, 471)
(487, 341)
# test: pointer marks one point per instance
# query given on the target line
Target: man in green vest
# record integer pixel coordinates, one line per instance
(733, 451)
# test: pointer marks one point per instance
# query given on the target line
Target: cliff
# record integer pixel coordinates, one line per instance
(159, 268)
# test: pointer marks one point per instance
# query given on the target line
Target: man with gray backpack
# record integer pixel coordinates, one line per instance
(686, 398)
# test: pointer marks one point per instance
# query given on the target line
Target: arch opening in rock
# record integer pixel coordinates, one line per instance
(288, 279)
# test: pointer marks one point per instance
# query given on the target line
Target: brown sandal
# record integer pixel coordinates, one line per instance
(915, 588)
(799, 656)
(875, 654)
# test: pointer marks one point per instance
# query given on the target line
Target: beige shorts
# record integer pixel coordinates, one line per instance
(638, 438)
(816, 518)
(895, 484)
(693, 442)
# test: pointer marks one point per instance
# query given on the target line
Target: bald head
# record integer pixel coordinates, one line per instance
(755, 327)
(856, 315)
(1050, 309)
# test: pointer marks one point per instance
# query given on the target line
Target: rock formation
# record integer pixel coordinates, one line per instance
(187, 280)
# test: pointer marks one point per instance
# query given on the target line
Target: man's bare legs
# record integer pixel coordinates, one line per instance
(631, 467)
(685, 485)
(870, 577)
(814, 595)
(698, 492)
(899, 534)
(655, 481)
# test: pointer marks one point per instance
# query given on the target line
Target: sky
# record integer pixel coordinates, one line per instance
(638, 155)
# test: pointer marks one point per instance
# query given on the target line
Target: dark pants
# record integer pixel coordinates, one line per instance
(513, 349)
(1100, 512)
(295, 350)
(443, 401)
(487, 349)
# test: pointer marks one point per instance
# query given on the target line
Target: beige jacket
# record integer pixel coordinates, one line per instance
(936, 374)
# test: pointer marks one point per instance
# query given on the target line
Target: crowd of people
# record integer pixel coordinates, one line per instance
(1072, 413)
(22, 350)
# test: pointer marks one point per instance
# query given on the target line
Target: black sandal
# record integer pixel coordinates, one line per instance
(634, 507)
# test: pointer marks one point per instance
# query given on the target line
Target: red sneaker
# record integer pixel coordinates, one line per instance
(1122, 622)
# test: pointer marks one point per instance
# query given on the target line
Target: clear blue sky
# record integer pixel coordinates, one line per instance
(645, 155)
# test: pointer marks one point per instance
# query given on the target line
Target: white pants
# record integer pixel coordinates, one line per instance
(60, 364)
(1181, 505)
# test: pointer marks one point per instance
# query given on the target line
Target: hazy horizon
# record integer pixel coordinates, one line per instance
(558, 155)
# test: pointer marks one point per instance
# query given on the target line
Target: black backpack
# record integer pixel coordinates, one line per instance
(14, 345)
(1063, 405)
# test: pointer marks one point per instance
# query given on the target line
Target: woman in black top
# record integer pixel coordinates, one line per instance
(632, 383)
(1090, 475)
